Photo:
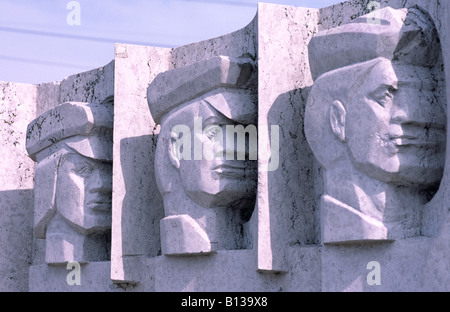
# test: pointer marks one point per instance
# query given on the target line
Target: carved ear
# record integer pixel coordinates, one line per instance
(173, 151)
(337, 119)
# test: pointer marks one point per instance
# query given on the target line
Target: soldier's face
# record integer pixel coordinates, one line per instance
(214, 180)
(84, 192)
(396, 126)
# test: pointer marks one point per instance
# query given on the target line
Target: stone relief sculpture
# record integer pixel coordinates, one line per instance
(375, 119)
(72, 145)
(208, 182)
(376, 122)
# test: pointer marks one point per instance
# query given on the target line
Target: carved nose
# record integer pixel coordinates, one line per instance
(243, 144)
(417, 108)
(100, 181)
(239, 150)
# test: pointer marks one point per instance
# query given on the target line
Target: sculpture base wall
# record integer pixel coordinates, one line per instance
(403, 268)
(226, 271)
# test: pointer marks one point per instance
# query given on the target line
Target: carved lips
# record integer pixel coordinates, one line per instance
(429, 138)
(100, 204)
(234, 171)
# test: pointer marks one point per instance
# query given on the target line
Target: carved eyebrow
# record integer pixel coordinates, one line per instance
(384, 88)
(420, 85)
(70, 156)
(84, 159)
(221, 118)
(213, 120)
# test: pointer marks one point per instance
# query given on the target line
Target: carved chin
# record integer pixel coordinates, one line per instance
(226, 198)
(419, 176)
(397, 171)
(91, 224)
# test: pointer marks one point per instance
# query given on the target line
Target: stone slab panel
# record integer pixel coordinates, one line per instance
(287, 203)
(93, 277)
(93, 86)
(17, 108)
(234, 271)
(137, 205)
(16, 236)
(344, 267)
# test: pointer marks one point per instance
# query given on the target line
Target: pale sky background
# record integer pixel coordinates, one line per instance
(38, 45)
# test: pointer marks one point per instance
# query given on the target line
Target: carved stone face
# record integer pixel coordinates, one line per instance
(210, 181)
(395, 125)
(84, 192)
(218, 183)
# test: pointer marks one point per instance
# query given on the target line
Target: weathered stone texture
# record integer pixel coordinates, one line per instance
(302, 234)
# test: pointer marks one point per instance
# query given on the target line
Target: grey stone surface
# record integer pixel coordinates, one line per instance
(93, 277)
(15, 113)
(72, 145)
(345, 267)
(16, 186)
(386, 125)
(206, 176)
(94, 86)
(208, 274)
(413, 132)
(435, 212)
(305, 233)
(287, 209)
(137, 205)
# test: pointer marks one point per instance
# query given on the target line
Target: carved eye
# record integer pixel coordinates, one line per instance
(213, 132)
(384, 97)
(83, 170)
(211, 135)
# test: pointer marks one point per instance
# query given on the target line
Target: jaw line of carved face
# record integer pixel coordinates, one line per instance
(90, 226)
(221, 198)
(408, 176)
